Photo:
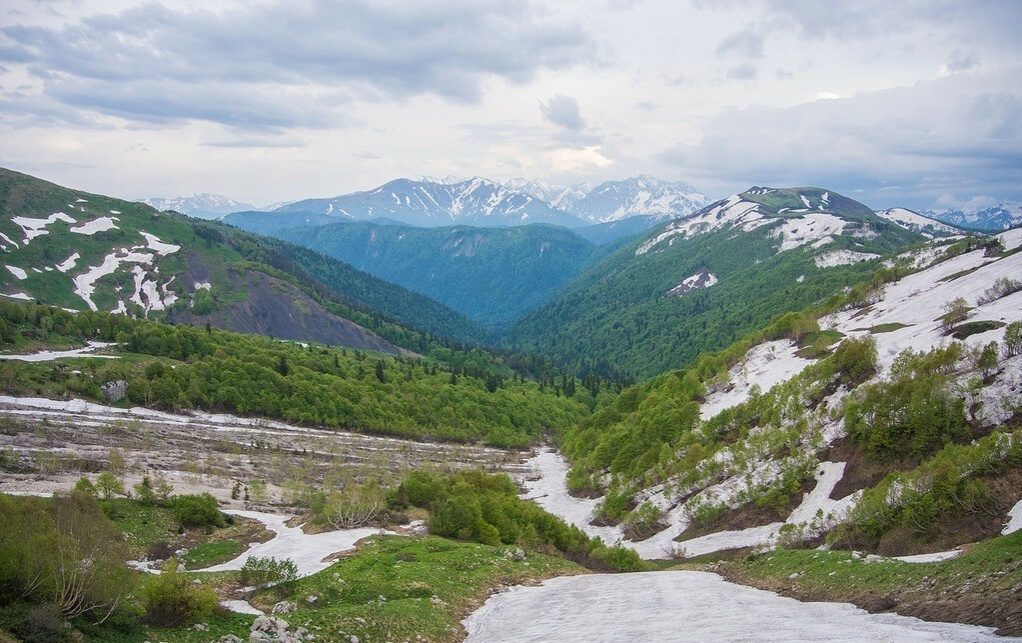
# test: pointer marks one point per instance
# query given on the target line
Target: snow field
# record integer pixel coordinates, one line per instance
(686, 606)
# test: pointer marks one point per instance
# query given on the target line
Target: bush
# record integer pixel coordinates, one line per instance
(170, 599)
(955, 312)
(45, 624)
(199, 510)
(912, 413)
(856, 360)
(257, 572)
(353, 505)
(1013, 339)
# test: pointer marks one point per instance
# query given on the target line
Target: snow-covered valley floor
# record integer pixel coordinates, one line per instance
(686, 606)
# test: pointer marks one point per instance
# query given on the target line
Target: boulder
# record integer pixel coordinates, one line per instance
(283, 607)
(115, 391)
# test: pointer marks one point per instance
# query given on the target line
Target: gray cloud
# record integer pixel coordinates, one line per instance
(564, 111)
(957, 134)
(746, 43)
(962, 61)
(743, 72)
(287, 63)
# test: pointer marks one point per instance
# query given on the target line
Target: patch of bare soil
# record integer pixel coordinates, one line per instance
(748, 515)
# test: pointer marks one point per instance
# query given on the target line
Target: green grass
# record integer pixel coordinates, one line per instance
(428, 585)
(213, 553)
(995, 566)
(888, 327)
(968, 329)
(142, 525)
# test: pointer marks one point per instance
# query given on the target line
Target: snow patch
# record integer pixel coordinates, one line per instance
(1014, 519)
(37, 227)
(18, 272)
(701, 279)
(764, 366)
(85, 284)
(49, 356)
(101, 224)
(162, 249)
(308, 551)
(687, 606)
(802, 230)
(841, 258)
(935, 557)
(68, 263)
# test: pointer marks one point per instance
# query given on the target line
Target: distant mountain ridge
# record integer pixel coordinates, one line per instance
(995, 218)
(202, 206)
(477, 201)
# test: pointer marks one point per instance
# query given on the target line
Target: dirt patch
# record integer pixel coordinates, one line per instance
(861, 471)
(747, 515)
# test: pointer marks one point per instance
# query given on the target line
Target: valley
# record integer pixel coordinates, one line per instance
(782, 395)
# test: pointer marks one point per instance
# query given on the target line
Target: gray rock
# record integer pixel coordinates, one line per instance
(311, 599)
(115, 391)
(229, 638)
(515, 554)
(283, 607)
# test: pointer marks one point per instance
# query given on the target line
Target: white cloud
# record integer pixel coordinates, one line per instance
(568, 159)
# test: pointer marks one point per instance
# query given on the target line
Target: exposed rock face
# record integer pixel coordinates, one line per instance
(282, 310)
(283, 607)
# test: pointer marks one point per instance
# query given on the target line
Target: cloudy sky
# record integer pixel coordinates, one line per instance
(907, 102)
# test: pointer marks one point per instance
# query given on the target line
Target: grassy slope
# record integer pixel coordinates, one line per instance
(617, 310)
(428, 585)
(981, 587)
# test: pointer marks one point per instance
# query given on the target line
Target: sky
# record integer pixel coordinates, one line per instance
(916, 103)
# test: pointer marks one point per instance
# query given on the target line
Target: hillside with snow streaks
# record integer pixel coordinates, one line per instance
(906, 315)
(926, 226)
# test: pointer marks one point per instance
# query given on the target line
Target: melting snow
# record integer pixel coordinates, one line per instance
(935, 557)
(49, 356)
(18, 295)
(1014, 519)
(18, 272)
(913, 221)
(68, 263)
(701, 279)
(37, 227)
(686, 606)
(306, 550)
(96, 225)
(85, 284)
(765, 365)
(841, 258)
(800, 231)
(161, 248)
(918, 300)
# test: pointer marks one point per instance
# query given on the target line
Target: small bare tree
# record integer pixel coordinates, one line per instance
(354, 505)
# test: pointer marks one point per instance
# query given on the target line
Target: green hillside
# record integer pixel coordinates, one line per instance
(492, 275)
(628, 310)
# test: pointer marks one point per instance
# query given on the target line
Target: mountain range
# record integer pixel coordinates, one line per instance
(994, 218)
(202, 206)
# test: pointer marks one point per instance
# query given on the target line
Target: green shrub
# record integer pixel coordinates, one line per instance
(198, 510)
(257, 572)
(170, 599)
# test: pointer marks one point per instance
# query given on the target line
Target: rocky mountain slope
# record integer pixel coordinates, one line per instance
(203, 206)
(769, 251)
(84, 251)
(994, 218)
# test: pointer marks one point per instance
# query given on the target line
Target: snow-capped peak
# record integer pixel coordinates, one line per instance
(203, 205)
